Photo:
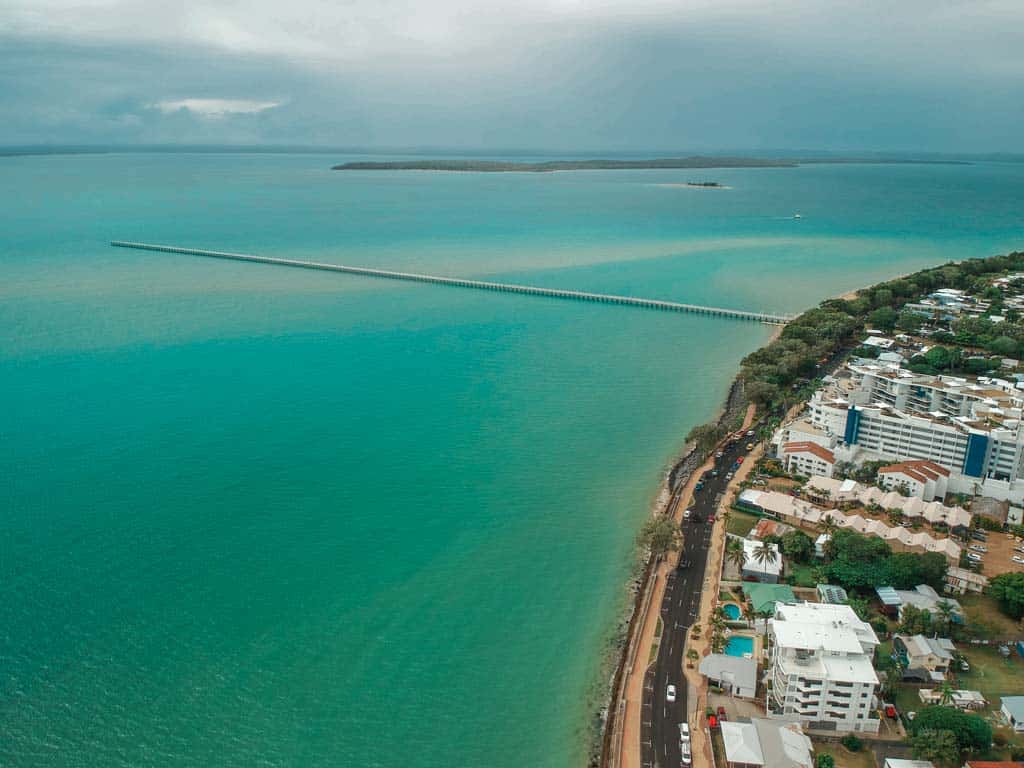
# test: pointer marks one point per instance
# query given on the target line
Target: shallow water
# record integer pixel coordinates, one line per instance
(264, 516)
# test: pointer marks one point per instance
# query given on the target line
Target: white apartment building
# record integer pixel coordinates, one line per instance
(820, 667)
(807, 458)
(973, 429)
(923, 479)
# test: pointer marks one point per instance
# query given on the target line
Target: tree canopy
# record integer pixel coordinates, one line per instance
(1008, 590)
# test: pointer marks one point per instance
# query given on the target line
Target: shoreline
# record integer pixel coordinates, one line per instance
(681, 473)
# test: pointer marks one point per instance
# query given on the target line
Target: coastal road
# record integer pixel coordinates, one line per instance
(659, 734)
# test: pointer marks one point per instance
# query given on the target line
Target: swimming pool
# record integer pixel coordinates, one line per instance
(732, 611)
(740, 645)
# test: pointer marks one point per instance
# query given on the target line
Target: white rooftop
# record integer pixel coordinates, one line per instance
(750, 547)
(821, 626)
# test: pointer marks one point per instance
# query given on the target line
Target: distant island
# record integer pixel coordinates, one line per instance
(499, 166)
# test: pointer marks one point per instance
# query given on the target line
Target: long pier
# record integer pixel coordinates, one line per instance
(482, 285)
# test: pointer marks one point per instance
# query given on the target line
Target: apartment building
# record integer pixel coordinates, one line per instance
(972, 429)
(807, 458)
(820, 667)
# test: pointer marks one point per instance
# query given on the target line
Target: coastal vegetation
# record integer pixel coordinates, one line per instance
(500, 166)
(779, 374)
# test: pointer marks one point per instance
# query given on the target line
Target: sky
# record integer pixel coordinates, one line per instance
(558, 75)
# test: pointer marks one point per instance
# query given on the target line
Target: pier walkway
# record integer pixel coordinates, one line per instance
(554, 293)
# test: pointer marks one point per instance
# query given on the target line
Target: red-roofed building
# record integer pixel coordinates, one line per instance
(993, 764)
(807, 458)
(923, 479)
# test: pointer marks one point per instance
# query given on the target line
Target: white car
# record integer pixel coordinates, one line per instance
(670, 694)
(1018, 559)
(1019, 549)
(974, 556)
(684, 732)
(684, 748)
(687, 514)
(979, 548)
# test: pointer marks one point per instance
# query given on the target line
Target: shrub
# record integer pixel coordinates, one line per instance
(826, 760)
(852, 743)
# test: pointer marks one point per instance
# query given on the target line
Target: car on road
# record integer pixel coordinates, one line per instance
(670, 694)
(687, 514)
(728, 476)
(750, 446)
(685, 757)
(974, 556)
(684, 732)
(1018, 559)
(711, 518)
(750, 433)
(979, 548)
(719, 454)
(714, 473)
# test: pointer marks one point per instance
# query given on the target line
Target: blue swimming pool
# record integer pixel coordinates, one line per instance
(731, 611)
(740, 645)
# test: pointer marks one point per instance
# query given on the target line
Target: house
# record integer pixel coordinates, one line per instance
(921, 478)
(960, 581)
(819, 544)
(765, 570)
(764, 597)
(993, 764)
(927, 659)
(829, 593)
(768, 743)
(925, 598)
(1013, 710)
(820, 667)
(808, 458)
(767, 527)
(966, 700)
(734, 674)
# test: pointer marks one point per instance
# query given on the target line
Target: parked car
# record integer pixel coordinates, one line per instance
(684, 732)
(1019, 549)
(750, 446)
(670, 694)
(687, 514)
(750, 433)
(685, 757)
(1018, 559)
(979, 548)
(974, 556)
(979, 535)
(964, 667)
(739, 460)
(714, 473)
(890, 711)
(729, 476)
(719, 455)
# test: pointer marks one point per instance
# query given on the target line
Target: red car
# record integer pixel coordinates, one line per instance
(712, 722)
(739, 459)
(890, 711)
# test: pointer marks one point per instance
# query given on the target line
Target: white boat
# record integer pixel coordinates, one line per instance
(797, 216)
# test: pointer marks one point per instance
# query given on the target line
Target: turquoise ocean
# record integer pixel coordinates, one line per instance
(254, 516)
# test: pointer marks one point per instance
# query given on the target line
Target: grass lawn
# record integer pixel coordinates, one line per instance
(985, 620)
(741, 523)
(991, 674)
(845, 758)
(801, 572)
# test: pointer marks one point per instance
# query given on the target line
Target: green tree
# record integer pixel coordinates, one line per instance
(915, 621)
(825, 760)
(909, 322)
(883, 319)
(1008, 590)
(735, 553)
(971, 731)
(797, 545)
(661, 535)
(937, 358)
(765, 555)
(861, 606)
(938, 746)
(705, 437)
(1004, 346)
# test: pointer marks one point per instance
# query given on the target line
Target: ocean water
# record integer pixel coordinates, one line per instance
(259, 516)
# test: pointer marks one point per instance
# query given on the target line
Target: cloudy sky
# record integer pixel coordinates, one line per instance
(927, 75)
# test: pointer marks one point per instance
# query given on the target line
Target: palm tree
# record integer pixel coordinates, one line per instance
(735, 554)
(749, 614)
(946, 694)
(765, 555)
(829, 525)
(946, 611)
(692, 656)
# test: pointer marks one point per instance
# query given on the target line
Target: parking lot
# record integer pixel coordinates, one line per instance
(1000, 553)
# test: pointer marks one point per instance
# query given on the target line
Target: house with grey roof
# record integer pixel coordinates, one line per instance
(927, 659)
(1013, 710)
(733, 674)
(771, 743)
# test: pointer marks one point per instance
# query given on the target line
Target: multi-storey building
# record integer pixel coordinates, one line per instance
(821, 667)
(971, 428)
